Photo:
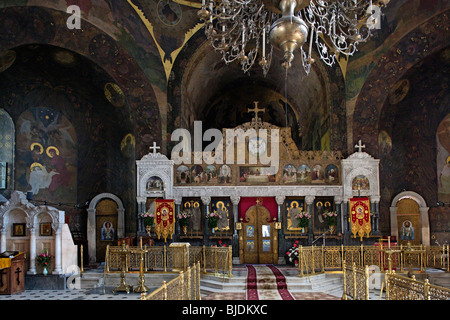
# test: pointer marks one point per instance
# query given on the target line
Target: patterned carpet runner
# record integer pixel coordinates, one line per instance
(266, 282)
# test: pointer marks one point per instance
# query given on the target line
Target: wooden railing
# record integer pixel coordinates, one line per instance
(217, 260)
(186, 286)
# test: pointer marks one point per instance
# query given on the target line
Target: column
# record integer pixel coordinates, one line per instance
(280, 202)
(58, 239)
(91, 234)
(375, 208)
(235, 243)
(206, 201)
(140, 209)
(58, 243)
(32, 269)
(309, 208)
(347, 233)
(425, 225)
(3, 239)
(340, 220)
(281, 239)
(346, 216)
(177, 201)
(394, 223)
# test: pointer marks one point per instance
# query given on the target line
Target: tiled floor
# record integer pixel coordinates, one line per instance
(75, 294)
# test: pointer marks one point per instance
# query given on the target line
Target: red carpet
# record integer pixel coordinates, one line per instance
(252, 285)
(266, 282)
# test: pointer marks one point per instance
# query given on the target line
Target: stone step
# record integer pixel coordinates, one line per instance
(327, 283)
(91, 280)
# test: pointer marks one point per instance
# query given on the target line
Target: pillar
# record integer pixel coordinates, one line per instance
(340, 221)
(32, 269)
(177, 201)
(58, 260)
(140, 209)
(425, 225)
(3, 239)
(91, 234)
(206, 201)
(309, 208)
(394, 223)
(235, 243)
(58, 243)
(375, 208)
(281, 239)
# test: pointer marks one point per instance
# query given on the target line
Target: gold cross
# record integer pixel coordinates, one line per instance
(256, 110)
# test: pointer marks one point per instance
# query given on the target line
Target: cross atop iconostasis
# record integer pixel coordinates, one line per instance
(256, 110)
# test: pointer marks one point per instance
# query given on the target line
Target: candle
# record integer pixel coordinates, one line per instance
(264, 43)
(310, 41)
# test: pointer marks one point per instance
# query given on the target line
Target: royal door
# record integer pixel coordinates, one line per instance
(258, 241)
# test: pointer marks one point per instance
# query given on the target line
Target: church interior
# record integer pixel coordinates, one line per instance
(89, 115)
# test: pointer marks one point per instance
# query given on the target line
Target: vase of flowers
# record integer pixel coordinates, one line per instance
(331, 217)
(292, 253)
(303, 218)
(184, 217)
(149, 219)
(213, 220)
(44, 260)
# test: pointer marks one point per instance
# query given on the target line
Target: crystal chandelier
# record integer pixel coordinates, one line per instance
(248, 30)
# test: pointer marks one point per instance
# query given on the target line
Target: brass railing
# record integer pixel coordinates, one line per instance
(216, 260)
(404, 288)
(186, 286)
(354, 262)
(355, 282)
(330, 258)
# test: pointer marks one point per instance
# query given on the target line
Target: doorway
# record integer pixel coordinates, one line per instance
(106, 224)
(258, 239)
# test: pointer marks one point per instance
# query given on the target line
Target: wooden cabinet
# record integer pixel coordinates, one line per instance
(12, 273)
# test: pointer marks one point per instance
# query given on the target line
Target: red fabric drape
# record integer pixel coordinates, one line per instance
(268, 202)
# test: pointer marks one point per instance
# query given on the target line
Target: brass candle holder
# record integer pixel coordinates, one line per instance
(141, 287)
(123, 286)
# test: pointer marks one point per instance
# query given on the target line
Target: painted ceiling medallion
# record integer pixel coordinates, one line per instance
(114, 94)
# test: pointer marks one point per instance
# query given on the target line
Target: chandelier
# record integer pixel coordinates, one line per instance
(248, 30)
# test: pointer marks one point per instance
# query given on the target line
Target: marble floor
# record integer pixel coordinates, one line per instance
(105, 292)
(74, 294)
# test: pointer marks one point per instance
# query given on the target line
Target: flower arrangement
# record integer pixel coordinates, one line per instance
(44, 259)
(184, 217)
(302, 218)
(292, 253)
(213, 219)
(220, 244)
(331, 217)
(148, 217)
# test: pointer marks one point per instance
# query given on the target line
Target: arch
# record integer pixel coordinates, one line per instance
(423, 210)
(166, 179)
(391, 67)
(369, 174)
(196, 93)
(19, 201)
(91, 223)
(96, 45)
